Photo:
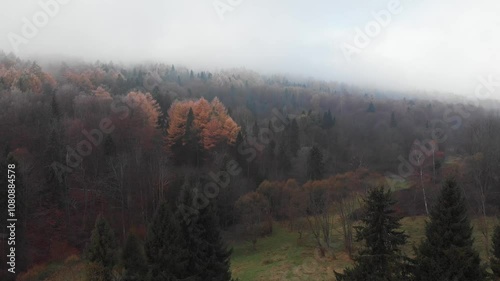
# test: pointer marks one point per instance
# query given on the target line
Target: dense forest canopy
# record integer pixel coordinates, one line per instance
(120, 140)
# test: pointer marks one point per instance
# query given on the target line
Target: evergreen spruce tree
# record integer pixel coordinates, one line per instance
(156, 93)
(315, 166)
(381, 258)
(209, 258)
(371, 107)
(101, 252)
(238, 144)
(192, 149)
(495, 259)
(328, 120)
(54, 148)
(109, 146)
(162, 124)
(187, 150)
(294, 137)
(270, 158)
(165, 247)
(324, 122)
(284, 163)
(133, 259)
(55, 108)
(255, 130)
(447, 253)
(394, 123)
(331, 119)
(54, 153)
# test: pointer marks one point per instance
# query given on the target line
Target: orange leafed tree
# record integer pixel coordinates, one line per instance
(211, 122)
(144, 107)
(101, 94)
(26, 79)
(139, 125)
(80, 80)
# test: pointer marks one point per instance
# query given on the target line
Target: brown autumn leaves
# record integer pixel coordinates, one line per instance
(211, 121)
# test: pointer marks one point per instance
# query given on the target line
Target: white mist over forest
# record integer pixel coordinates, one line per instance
(418, 45)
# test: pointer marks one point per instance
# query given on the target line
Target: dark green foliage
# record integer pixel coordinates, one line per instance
(109, 146)
(189, 125)
(54, 149)
(284, 162)
(315, 165)
(164, 102)
(328, 120)
(165, 247)
(255, 130)
(495, 259)
(56, 114)
(120, 87)
(102, 249)
(394, 123)
(380, 258)
(209, 258)
(447, 252)
(24, 83)
(243, 153)
(36, 69)
(134, 260)
(294, 137)
(188, 149)
(239, 138)
(54, 175)
(156, 93)
(239, 143)
(269, 156)
(192, 149)
(371, 107)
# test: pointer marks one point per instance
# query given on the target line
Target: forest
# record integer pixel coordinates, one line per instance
(161, 172)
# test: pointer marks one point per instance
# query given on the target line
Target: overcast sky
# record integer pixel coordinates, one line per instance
(430, 45)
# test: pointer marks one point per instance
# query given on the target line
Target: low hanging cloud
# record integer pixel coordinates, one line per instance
(406, 44)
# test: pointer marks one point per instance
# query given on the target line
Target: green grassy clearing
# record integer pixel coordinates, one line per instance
(280, 256)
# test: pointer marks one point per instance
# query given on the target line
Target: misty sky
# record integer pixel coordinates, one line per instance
(430, 45)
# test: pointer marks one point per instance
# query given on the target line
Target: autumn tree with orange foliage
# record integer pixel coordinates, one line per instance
(26, 79)
(143, 115)
(81, 81)
(207, 126)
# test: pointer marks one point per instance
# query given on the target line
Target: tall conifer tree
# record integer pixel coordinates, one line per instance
(134, 260)
(315, 165)
(209, 258)
(447, 253)
(381, 258)
(165, 247)
(102, 251)
(294, 138)
(495, 259)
